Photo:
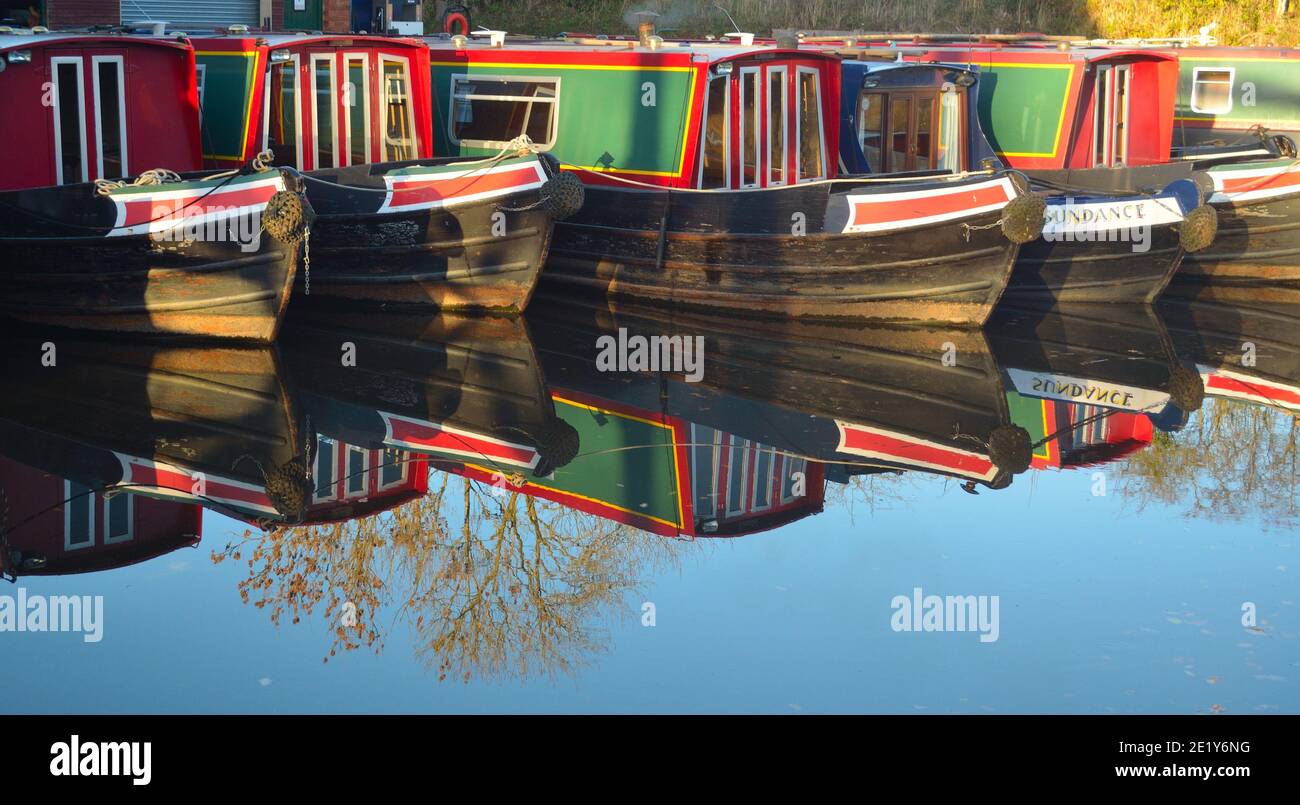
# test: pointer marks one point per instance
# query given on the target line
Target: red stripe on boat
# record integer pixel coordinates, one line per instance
(864, 441)
(1252, 388)
(145, 209)
(431, 437)
(433, 190)
(888, 208)
(1285, 177)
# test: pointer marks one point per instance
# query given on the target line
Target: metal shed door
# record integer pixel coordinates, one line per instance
(182, 14)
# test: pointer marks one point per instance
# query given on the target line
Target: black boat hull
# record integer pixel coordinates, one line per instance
(791, 252)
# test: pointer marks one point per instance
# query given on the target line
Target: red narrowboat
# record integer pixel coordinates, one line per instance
(393, 224)
(108, 225)
(712, 181)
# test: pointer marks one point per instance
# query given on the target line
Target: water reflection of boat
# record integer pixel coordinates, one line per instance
(1092, 383)
(199, 425)
(1244, 348)
(435, 387)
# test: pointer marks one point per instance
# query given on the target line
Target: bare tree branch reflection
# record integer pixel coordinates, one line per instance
(1233, 460)
(493, 583)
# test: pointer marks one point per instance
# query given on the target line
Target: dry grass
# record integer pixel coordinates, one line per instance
(1252, 22)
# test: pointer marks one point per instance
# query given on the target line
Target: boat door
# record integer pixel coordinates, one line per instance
(331, 108)
(86, 95)
(1111, 100)
(764, 124)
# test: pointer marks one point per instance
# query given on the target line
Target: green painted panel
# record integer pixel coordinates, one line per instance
(1021, 107)
(641, 478)
(1262, 91)
(605, 115)
(227, 85)
(1027, 412)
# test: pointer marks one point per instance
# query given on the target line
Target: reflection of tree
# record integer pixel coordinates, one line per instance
(1233, 459)
(492, 582)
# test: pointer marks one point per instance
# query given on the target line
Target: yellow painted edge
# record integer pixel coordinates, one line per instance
(605, 503)
(1065, 102)
(248, 110)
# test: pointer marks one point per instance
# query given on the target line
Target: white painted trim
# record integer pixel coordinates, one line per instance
(785, 123)
(350, 59)
(67, 517)
(765, 478)
(95, 61)
(735, 443)
(327, 58)
(55, 61)
(297, 107)
(385, 58)
(349, 478)
(821, 125)
(323, 443)
(403, 464)
(1232, 81)
(129, 501)
(726, 130)
(756, 122)
(554, 102)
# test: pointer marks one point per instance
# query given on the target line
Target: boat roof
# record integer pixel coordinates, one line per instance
(22, 39)
(281, 40)
(698, 50)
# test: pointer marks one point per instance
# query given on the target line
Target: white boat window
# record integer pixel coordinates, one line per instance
(715, 134)
(1212, 90)
(399, 122)
(324, 111)
(69, 120)
(812, 153)
(490, 111)
(110, 116)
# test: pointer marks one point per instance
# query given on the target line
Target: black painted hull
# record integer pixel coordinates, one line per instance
(475, 255)
(1258, 244)
(1088, 272)
(744, 251)
(61, 268)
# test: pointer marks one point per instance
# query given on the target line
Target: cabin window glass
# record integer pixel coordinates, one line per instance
(110, 116)
(871, 125)
(323, 115)
(924, 132)
(282, 117)
(704, 470)
(490, 111)
(717, 129)
(794, 481)
(1212, 90)
(399, 123)
(326, 459)
(777, 125)
(356, 110)
(764, 464)
(749, 127)
(949, 156)
(356, 469)
(393, 470)
(78, 516)
(812, 162)
(69, 120)
(119, 518)
(737, 475)
(200, 82)
(1110, 116)
(900, 117)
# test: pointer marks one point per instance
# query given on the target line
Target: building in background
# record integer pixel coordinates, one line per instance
(403, 16)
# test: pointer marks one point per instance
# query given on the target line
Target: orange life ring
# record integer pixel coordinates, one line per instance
(453, 20)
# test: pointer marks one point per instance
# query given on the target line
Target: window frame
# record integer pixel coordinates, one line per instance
(80, 63)
(67, 516)
(120, 62)
(382, 60)
(129, 500)
(755, 74)
(363, 478)
(801, 70)
(552, 133)
(1196, 82)
(725, 81)
(784, 71)
(297, 106)
(403, 464)
(321, 443)
(349, 58)
(312, 60)
(742, 446)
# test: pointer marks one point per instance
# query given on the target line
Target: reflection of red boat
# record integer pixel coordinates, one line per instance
(54, 525)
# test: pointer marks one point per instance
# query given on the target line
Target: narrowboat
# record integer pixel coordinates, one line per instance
(442, 387)
(1067, 108)
(1228, 96)
(1245, 349)
(712, 181)
(350, 114)
(56, 524)
(109, 223)
(1111, 234)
